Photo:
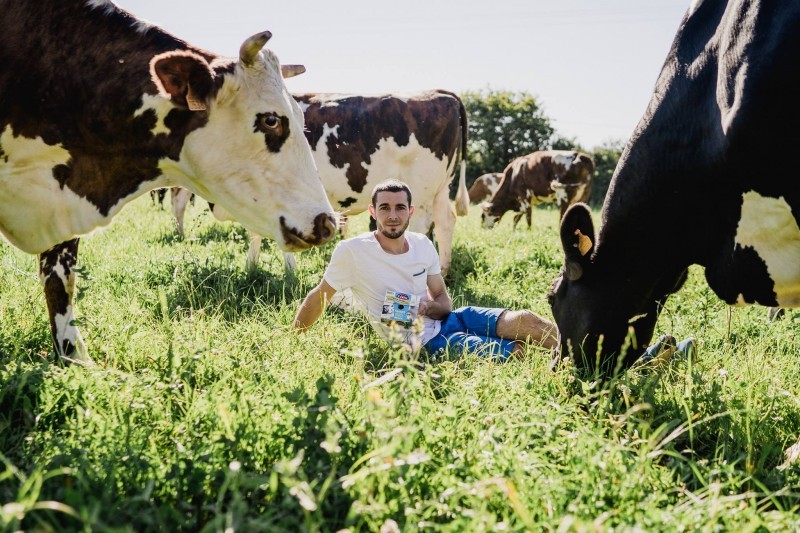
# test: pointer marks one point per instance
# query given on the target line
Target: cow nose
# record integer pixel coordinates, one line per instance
(322, 232)
(324, 227)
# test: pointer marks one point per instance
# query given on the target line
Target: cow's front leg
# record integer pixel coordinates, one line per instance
(57, 274)
(517, 217)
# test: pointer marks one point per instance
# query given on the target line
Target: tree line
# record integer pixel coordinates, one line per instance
(504, 125)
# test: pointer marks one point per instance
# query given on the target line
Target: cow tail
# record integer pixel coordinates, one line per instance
(462, 195)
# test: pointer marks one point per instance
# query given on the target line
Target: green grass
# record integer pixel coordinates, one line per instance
(204, 411)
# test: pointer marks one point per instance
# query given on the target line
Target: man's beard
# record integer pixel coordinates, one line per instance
(396, 234)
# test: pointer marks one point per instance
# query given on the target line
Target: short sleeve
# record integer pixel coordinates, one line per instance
(341, 269)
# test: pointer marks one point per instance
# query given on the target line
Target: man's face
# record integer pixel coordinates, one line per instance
(392, 213)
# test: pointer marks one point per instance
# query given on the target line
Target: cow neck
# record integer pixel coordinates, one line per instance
(392, 246)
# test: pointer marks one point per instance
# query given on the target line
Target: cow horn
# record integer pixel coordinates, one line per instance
(252, 46)
(290, 71)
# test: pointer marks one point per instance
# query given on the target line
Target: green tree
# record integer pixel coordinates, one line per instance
(502, 126)
(606, 157)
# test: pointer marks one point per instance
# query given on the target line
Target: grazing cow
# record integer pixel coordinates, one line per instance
(484, 186)
(97, 108)
(358, 141)
(706, 179)
(559, 176)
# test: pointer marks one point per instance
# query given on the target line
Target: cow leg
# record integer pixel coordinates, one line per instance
(57, 274)
(528, 216)
(180, 199)
(444, 222)
(289, 262)
(255, 250)
(563, 205)
(517, 216)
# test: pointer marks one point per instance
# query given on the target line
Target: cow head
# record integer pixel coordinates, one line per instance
(490, 214)
(250, 155)
(603, 325)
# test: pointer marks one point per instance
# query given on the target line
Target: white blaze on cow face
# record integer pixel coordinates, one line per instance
(42, 212)
(768, 226)
(228, 162)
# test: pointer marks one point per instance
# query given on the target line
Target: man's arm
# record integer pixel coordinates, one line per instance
(313, 306)
(440, 303)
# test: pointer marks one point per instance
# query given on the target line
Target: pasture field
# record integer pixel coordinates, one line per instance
(204, 412)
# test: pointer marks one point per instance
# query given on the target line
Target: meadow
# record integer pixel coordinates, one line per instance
(203, 411)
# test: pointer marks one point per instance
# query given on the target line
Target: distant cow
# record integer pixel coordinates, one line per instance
(97, 108)
(708, 177)
(358, 141)
(554, 176)
(484, 186)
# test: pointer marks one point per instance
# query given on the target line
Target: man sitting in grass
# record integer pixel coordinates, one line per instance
(393, 276)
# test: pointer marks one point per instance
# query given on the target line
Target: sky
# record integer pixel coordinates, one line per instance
(591, 64)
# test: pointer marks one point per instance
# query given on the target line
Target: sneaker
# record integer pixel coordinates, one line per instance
(658, 352)
(687, 348)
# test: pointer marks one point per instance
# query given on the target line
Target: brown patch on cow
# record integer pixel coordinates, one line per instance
(86, 102)
(347, 202)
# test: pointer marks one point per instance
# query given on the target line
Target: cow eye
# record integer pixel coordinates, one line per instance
(268, 123)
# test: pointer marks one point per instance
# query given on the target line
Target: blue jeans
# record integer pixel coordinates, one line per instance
(474, 329)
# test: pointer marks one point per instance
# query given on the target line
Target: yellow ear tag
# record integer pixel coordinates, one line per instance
(584, 242)
(194, 103)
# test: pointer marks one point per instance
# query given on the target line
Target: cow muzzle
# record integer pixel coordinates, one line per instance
(324, 229)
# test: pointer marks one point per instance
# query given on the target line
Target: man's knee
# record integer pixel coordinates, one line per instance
(526, 325)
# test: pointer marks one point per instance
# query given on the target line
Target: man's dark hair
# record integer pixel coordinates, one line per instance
(391, 185)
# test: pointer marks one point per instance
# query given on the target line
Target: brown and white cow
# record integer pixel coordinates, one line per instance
(552, 176)
(97, 108)
(358, 141)
(484, 186)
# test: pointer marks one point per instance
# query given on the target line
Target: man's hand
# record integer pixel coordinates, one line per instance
(423, 308)
(439, 305)
(313, 306)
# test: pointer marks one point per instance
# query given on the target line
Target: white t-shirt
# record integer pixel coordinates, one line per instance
(361, 272)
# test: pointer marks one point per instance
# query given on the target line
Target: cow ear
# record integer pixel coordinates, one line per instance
(184, 77)
(485, 206)
(290, 71)
(577, 239)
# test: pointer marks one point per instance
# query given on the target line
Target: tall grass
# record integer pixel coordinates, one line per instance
(205, 412)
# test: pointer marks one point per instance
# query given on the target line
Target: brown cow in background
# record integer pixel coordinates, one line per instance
(484, 186)
(553, 176)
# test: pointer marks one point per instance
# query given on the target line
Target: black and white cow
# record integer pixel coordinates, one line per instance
(97, 108)
(358, 141)
(708, 178)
